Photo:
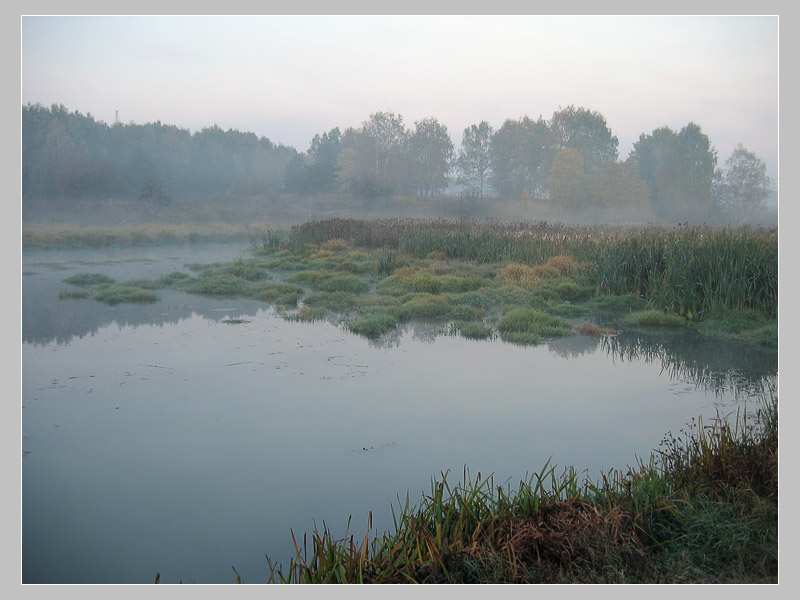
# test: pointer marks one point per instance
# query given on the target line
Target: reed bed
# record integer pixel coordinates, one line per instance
(688, 271)
(702, 510)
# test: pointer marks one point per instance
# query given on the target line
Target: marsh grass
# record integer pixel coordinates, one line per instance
(470, 272)
(653, 318)
(346, 282)
(115, 293)
(703, 509)
(373, 325)
(339, 301)
(472, 330)
(73, 294)
(88, 279)
(528, 321)
(744, 325)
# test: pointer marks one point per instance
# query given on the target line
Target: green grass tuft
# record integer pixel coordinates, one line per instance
(73, 294)
(87, 279)
(524, 323)
(374, 325)
(113, 294)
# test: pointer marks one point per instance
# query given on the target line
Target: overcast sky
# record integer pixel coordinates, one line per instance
(289, 77)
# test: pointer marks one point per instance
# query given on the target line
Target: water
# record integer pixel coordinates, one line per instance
(162, 438)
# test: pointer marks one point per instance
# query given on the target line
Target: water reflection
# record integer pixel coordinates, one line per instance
(159, 437)
(713, 365)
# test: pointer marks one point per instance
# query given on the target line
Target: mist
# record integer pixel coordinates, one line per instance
(565, 169)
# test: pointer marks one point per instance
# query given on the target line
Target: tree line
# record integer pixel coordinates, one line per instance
(570, 161)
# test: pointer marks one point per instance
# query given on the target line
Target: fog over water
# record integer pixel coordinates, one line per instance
(196, 431)
(189, 434)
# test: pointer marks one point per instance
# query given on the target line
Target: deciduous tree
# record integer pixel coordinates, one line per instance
(430, 155)
(587, 132)
(474, 162)
(745, 185)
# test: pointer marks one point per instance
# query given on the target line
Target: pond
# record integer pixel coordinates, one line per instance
(195, 434)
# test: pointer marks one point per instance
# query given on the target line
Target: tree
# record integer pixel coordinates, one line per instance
(522, 153)
(373, 159)
(617, 185)
(567, 181)
(745, 185)
(430, 154)
(679, 171)
(585, 131)
(474, 162)
(323, 160)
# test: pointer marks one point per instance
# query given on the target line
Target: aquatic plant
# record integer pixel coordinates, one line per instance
(87, 279)
(519, 322)
(120, 293)
(346, 282)
(653, 318)
(406, 280)
(473, 330)
(73, 294)
(373, 325)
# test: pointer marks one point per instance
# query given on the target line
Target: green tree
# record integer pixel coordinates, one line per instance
(474, 162)
(522, 153)
(585, 131)
(679, 169)
(323, 160)
(617, 185)
(568, 182)
(374, 157)
(430, 155)
(745, 185)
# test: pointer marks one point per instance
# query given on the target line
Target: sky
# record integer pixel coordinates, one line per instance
(288, 78)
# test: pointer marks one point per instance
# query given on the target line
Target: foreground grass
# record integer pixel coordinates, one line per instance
(703, 509)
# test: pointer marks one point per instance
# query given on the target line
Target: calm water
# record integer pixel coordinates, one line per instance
(160, 438)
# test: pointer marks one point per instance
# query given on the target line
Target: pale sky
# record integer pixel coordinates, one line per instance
(289, 77)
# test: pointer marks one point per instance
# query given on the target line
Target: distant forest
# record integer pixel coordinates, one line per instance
(570, 161)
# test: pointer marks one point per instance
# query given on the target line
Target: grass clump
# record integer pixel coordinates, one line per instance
(346, 282)
(742, 325)
(88, 279)
(388, 262)
(473, 330)
(336, 301)
(73, 294)
(113, 294)
(374, 325)
(653, 318)
(276, 292)
(528, 324)
(408, 280)
(215, 283)
(422, 305)
(307, 314)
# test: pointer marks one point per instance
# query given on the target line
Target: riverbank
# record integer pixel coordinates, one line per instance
(704, 509)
